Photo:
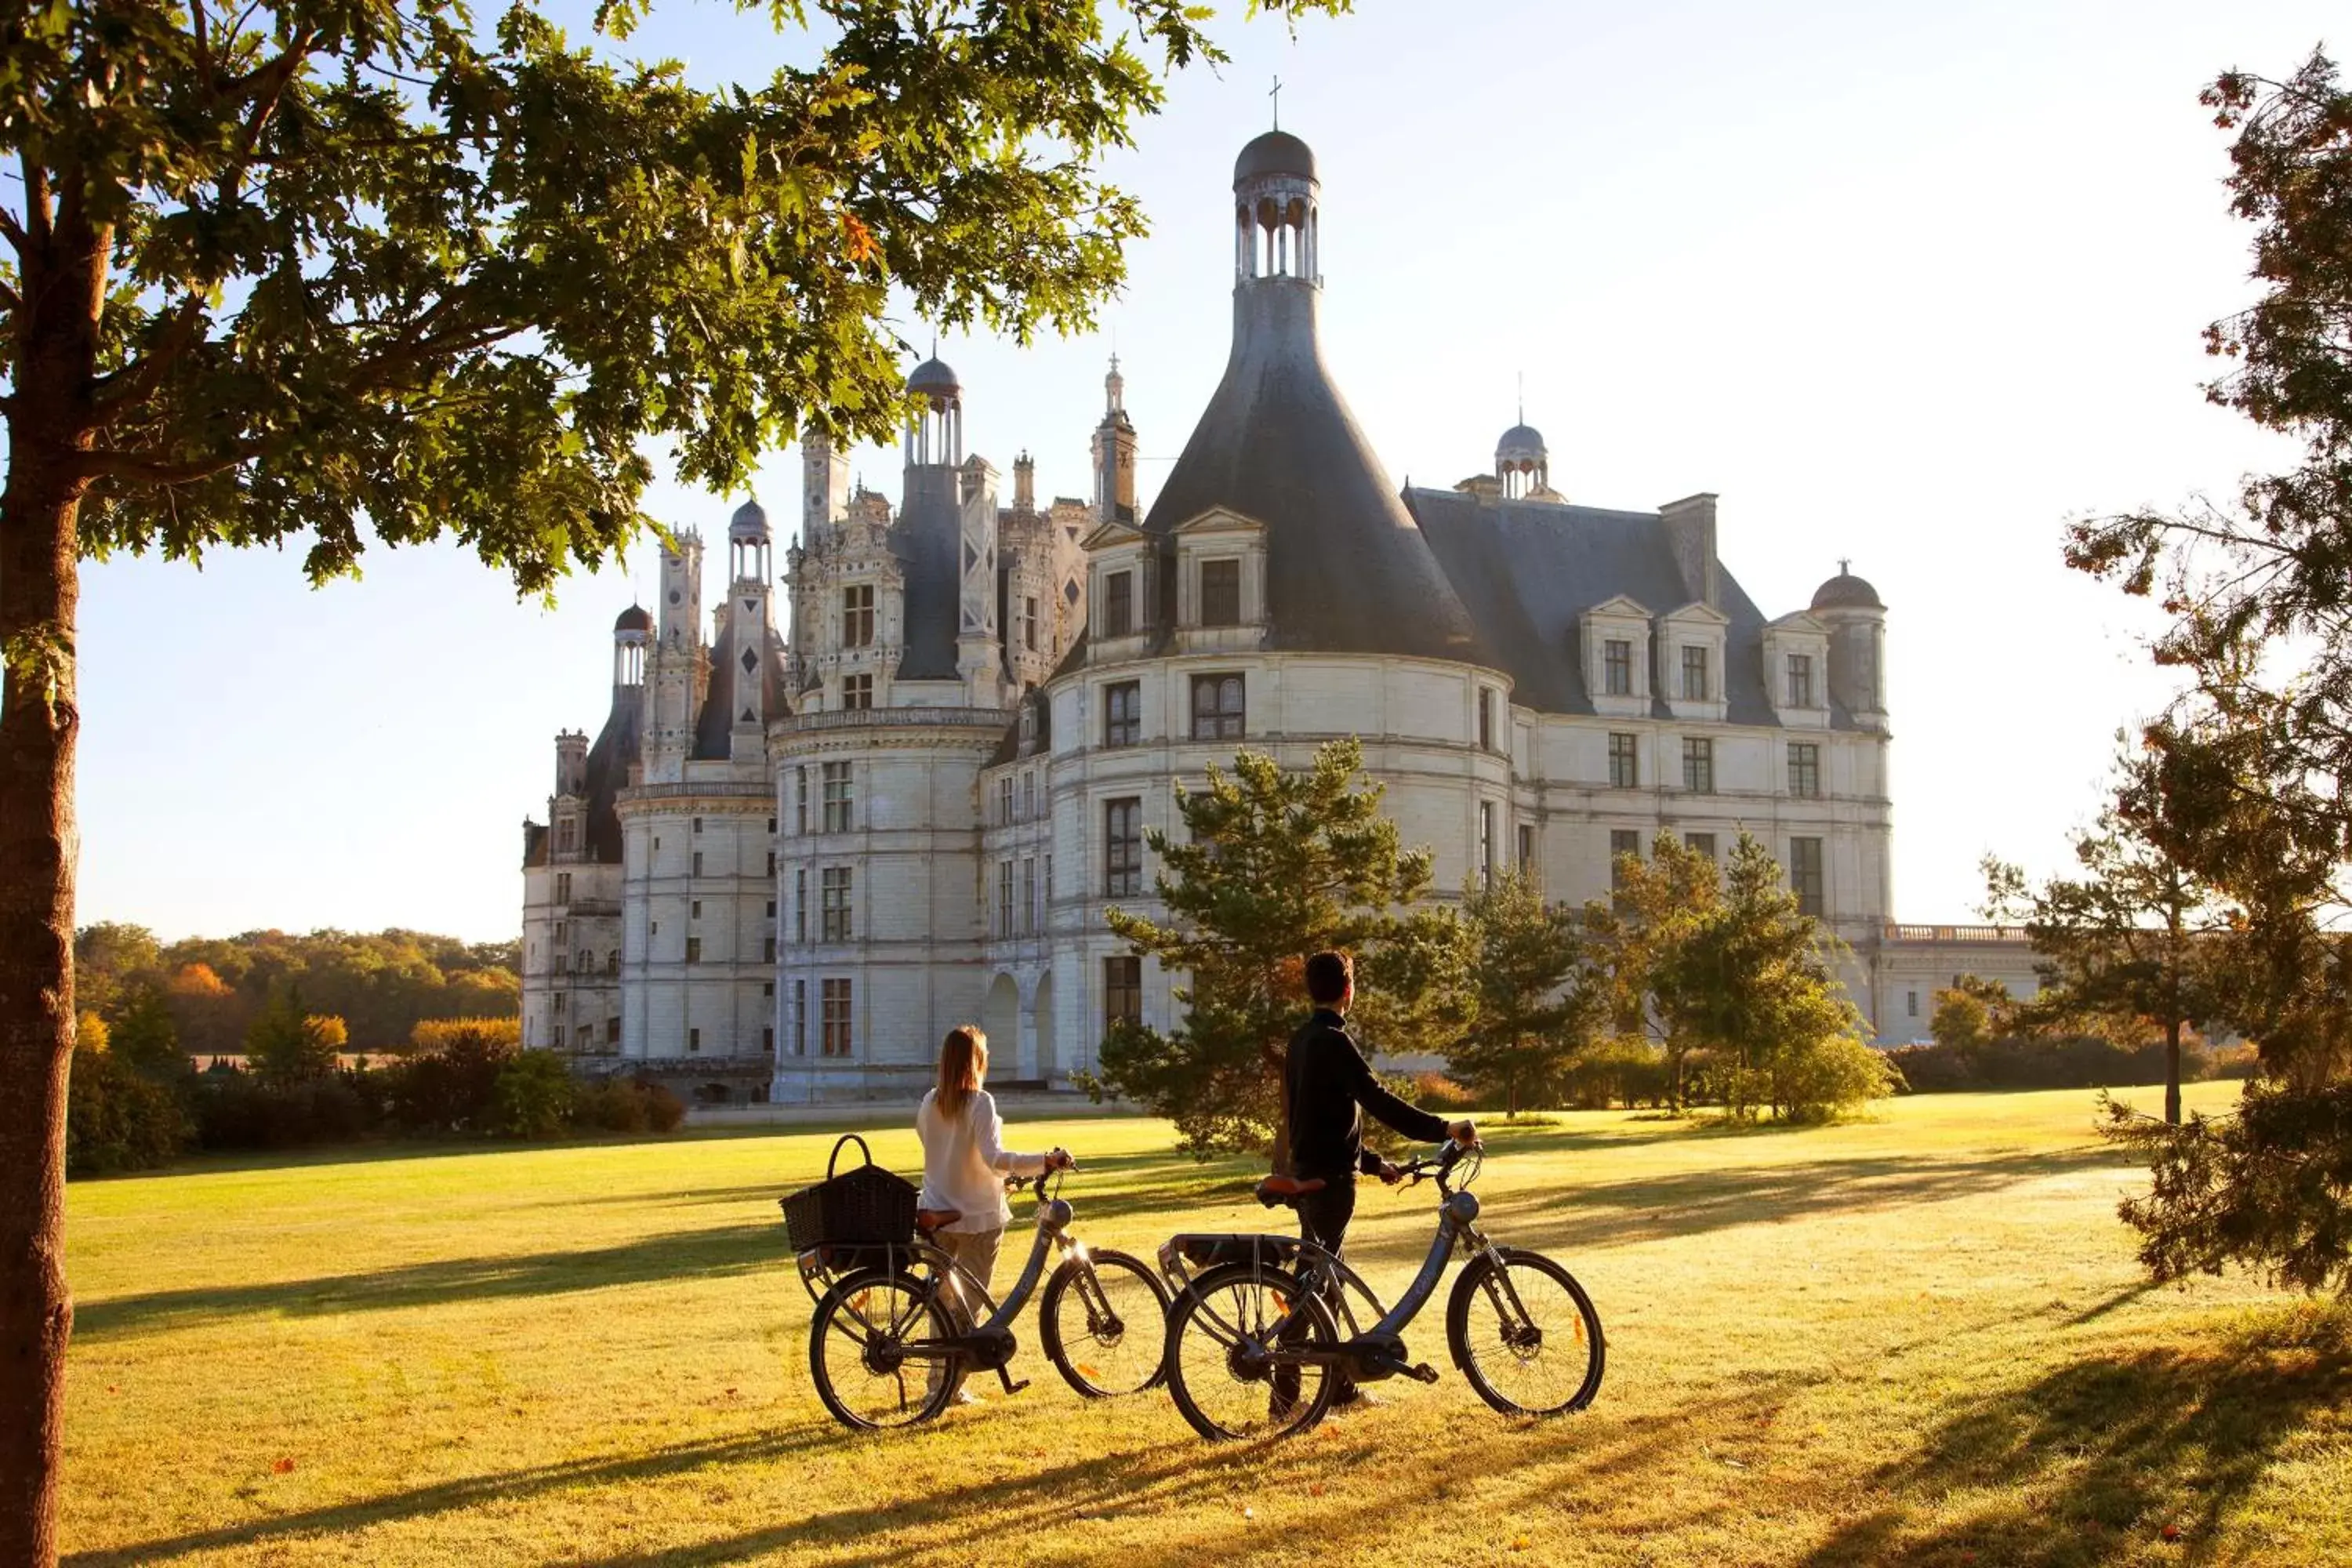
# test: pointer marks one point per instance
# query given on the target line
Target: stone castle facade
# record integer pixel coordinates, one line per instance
(794, 861)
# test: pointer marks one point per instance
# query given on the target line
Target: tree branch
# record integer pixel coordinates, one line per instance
(120, 390)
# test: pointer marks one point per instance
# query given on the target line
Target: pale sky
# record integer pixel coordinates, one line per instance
(1907, 284)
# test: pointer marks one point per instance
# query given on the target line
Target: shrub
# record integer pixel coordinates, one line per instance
(533, 1096)
(2241, 1061)
(615, 1106)
(243, 1110)
(435, 1034)
(452, 1085)
(1617, 1069)
(1834, 1076)
(2073, 1061)
(118, 1120)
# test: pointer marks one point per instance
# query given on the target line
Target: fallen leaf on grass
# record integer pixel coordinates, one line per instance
(1314, 1490)
(2171, 1532)
(284, 1466)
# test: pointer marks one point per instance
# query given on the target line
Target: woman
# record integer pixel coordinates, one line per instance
(965, 1162)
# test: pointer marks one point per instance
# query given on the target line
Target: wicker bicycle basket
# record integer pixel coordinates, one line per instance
(864, 1205)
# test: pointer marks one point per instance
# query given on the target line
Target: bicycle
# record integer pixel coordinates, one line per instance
(1254, 1340)
(889, 1312)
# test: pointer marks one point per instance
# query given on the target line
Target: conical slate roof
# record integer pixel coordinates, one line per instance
(1347, 568)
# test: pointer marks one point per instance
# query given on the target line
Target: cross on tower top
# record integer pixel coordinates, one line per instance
(1276, 94)
(1845, 565)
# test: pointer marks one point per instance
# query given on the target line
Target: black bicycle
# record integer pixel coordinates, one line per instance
(1256, 1339)
(894, 1335)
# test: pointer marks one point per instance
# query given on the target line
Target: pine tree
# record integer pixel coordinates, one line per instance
(1272, 867)
(1534, 1013)
(1633, 935)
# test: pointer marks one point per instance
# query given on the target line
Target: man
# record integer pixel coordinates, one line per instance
(1329, 1087)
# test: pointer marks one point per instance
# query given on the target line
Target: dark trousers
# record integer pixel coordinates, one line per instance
(1323, 1219)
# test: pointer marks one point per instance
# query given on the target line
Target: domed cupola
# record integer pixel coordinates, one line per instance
(1347, 569)
(1521, 463)
(1847, 592)
(747, 542)
(935, 436)
(631, 629)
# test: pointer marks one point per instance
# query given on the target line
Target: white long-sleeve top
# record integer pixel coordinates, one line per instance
(965, 1162)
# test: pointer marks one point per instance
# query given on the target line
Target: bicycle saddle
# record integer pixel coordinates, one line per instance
(1283, 1189)
(929, 1221)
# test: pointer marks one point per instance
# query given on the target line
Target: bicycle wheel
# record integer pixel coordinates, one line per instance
(1224, 1334)
(868, 1356)
(1525, 1334)
(1103, 1321)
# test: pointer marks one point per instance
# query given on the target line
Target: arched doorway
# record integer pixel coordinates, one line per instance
(1042, 1011)
(1001, 1017)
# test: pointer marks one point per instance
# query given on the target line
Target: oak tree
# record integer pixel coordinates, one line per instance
(347, 273)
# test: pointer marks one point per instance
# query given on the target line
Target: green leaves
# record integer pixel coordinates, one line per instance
(378, 275)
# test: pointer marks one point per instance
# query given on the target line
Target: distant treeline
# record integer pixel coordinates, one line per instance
(382, 985)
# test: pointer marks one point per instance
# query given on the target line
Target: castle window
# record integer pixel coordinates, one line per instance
(1221, 593)
(834, 909)
(1800, 680)
(1698, 765)
(837, 1017)
(771, 862)
(772, 908)
(1617, 667)
(1911, 1003)
(1805, 876)
(1527, 848)
(1624, 761)
(768, 1040)
(1123, 714)
(559, 1008)
(1123, 847)
(858, 616)
(611, 1031)
(698, 825)
(1028, 797)
(1029, 623)
(1700, 843)
(694, 949)
(1029, 895)
(560, 929)
(1623, 842)
(1004, 898)
(694, 1040)
(1694, 687)
(1118, 603)
(563, 836)
(856, 693)
(768, 950)
(800, 1017)
(1486, 719)
(613, 961)
(696, 912)
(697, 863)
(1122, 991)
(799, 799)
(1219, 707)
(563, 887)
(1486, 840)
(836, 797)
(800, 904)
(1805, 769)
(1004, 800)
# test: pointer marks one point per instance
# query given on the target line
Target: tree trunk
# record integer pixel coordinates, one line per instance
(62, 280)
(2172, 1071)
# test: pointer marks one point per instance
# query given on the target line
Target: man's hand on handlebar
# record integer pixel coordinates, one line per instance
(1465, 1134)
(1390, 1172)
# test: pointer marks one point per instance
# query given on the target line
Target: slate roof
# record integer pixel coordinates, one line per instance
(1528, 570)
(616, 747)
(1347, 568)
(926, 537)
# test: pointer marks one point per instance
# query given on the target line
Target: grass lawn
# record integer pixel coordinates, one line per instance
(1917, 1339)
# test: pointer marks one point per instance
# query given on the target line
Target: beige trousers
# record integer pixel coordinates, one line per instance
(975, 1251)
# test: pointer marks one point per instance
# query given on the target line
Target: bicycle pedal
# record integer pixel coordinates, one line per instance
(1009, 1386)
(1422, 1373)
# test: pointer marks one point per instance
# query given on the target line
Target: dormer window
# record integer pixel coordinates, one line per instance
(1617, 667)
(1695, 681)
(1221, 593)
(1800, 680)
(1118, 603)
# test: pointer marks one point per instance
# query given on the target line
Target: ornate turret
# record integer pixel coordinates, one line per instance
(1856, 618)
(1114, 453)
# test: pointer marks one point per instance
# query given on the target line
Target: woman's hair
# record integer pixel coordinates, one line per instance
(964, 1062)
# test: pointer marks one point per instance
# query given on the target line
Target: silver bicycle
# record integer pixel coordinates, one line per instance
(1264, 1327)
(899, 1326)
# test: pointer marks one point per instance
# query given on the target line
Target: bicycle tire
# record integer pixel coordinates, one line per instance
(1185, 1321)
(1471, 1290)
(1083, 1375)
(849, 1299)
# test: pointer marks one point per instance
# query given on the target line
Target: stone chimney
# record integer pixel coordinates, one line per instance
(1690, 533)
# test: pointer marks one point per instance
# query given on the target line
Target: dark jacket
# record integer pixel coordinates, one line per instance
(1329, 1080)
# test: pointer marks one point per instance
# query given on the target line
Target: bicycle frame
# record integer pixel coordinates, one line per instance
(989, 1345)
(1367, 1355)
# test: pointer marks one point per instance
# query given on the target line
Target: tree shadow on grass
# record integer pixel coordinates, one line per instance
(1690, 1203)
(2086, 1465)
(693, 1254)
(466, 1492)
